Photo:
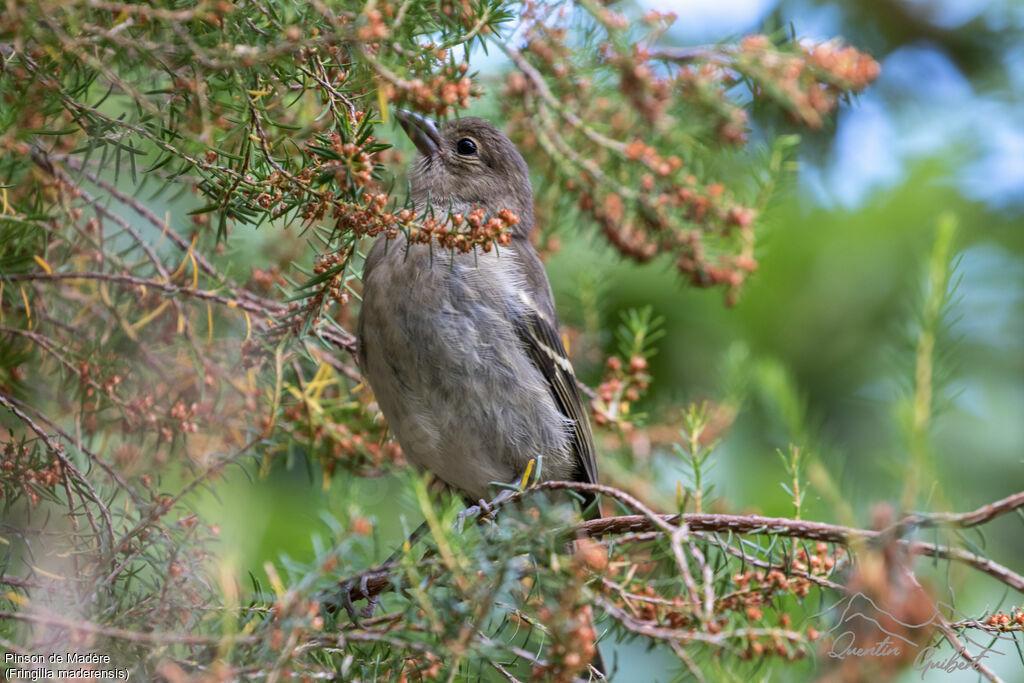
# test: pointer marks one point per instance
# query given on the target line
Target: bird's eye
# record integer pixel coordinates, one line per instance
(465, 147)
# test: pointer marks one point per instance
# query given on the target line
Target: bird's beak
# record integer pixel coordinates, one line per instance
(421, 130)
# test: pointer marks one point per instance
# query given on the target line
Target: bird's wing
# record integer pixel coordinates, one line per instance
(372, 259)
(537, 330)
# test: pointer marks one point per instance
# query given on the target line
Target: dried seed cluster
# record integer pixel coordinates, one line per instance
(28, 469)
(648, 202)
(1007, 621)
(622, 385)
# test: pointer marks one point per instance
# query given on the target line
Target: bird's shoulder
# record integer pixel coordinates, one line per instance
(535, 278)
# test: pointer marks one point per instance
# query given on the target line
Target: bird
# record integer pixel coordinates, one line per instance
(462, 350)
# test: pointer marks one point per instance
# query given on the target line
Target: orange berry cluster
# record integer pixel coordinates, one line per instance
(479, 230)
(621, 386)
(649, 93)
(1003, 620)
(139, 413)
(820, 563)
(333, 288)
(21, 466)
(755, 590)
(449, 88)
(182, 421)
(810, 80)
(458, 232)
(263, 280)
(573, 645)
(183, 415)
(648, 202)
(852, 68)
(356, 164)
(352, 442)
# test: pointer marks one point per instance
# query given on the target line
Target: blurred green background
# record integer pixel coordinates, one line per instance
(820, 349)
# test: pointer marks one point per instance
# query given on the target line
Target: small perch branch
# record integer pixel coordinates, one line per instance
(378, 579)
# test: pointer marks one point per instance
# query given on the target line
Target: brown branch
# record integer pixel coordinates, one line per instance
(687, 635)
(322, 81)
(17, 582)
(162, 507)
(76, 165)
(167, 287)
(737, 524)
(973, 661)
(269, 306)
(45, 164)
(379, 579)
(983, 626)
(982, 564)
(116, 477)
(79, 626)
(756, 562)
(964, 520)
(67, 467)
(688, 55)
(48, 345)
(792, 528)
(150, 13)
(541, 87)
(250, 304)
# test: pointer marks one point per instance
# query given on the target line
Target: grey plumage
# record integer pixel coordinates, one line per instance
(462, 350)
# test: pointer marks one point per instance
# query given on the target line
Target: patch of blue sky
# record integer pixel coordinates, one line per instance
(922, 106)
(700, 21)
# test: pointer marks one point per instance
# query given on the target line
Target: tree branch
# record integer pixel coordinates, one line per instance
(377, 579)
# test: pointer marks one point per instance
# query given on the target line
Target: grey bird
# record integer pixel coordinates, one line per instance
(462, 350)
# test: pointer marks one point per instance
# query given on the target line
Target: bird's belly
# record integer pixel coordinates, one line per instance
(452, 379)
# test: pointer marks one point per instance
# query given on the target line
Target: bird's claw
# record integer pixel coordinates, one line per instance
(371, 600)
(467, 513)
(483, 510)
(345, 599)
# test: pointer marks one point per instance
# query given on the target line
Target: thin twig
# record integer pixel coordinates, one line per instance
(379, 578)
(80, 626)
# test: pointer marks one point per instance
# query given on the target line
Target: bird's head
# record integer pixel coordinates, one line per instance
(468, 162)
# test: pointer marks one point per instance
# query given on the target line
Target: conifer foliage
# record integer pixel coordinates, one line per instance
(145, 352)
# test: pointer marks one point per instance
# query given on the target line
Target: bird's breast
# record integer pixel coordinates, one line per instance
(441, 353)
